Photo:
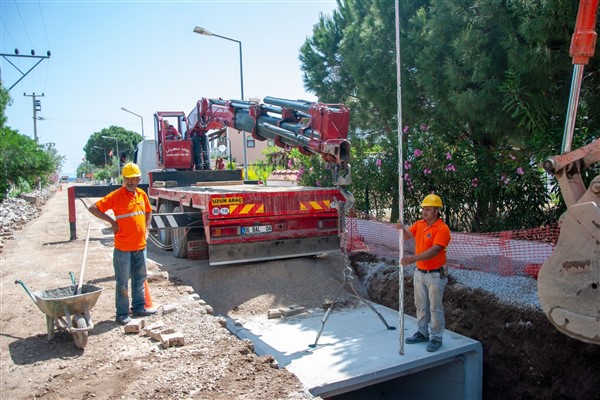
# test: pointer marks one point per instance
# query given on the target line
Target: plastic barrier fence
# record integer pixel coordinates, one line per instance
(505, 253)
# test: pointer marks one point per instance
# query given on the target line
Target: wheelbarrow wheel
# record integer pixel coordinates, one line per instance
(80, 338)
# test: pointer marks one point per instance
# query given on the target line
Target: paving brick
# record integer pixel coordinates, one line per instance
(135, 326)
(292, 310)
(172, 339)
(157, 334)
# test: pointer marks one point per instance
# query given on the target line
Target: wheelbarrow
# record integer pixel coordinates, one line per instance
(65, 302)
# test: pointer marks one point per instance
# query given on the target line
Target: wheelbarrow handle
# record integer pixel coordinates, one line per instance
(20, 282)
(72, 275)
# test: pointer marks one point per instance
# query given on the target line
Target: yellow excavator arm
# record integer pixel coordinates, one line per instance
(569, 281)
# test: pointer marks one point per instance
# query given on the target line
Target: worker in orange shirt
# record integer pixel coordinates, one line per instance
(432, 237)
(132, 211)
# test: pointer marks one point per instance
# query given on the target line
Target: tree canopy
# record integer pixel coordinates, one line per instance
(484, 98)
(109, 142)
(23, 162)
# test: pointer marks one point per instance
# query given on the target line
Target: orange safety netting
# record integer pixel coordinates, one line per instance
(505, 253)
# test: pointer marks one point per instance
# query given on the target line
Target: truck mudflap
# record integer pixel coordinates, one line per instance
(236, 253)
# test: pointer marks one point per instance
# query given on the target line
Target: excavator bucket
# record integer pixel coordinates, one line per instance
(569, 281)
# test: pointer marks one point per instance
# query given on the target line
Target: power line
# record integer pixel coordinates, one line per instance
(23, 22)
(44, 24)
(8, 32)
(47, 40)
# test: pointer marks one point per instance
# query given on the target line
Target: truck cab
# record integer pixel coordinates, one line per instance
(174, 148)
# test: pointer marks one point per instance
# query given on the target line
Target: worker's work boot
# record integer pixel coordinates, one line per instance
(144, 312)
(417, 338)
(434, 345)
(123, 320)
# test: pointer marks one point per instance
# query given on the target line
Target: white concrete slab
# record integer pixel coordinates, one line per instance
(356, 350)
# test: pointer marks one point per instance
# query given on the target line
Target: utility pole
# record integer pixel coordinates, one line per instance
(37, 106)
(7, 57)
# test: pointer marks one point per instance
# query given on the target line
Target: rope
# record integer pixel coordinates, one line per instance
(347, 276)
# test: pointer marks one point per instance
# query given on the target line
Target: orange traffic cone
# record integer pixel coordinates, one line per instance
(147, 296)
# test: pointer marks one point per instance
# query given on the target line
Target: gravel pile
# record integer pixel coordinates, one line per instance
(519, 290)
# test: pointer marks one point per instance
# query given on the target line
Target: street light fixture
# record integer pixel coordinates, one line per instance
(137, 115)
(116, 141)
(102, 148)
(202, 31)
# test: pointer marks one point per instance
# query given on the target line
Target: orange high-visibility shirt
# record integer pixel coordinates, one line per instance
(130, 209)
(426, 236)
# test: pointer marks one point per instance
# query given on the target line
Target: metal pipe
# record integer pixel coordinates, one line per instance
(572, 107)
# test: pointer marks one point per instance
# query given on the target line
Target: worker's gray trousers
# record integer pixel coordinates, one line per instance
(429, 292)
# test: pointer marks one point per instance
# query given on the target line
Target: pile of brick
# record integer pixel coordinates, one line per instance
(161, 332)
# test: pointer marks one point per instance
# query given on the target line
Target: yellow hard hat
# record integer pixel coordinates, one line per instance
(131, 170)
(432, 200)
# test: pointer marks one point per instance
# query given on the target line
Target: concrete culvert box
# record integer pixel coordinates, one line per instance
(358, 358)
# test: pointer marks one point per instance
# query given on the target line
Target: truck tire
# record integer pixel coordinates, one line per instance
(179, 238)
(165, 235)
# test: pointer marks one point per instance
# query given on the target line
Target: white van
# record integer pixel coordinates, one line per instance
(145, 157)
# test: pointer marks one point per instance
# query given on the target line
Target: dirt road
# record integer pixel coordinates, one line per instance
(212, 364)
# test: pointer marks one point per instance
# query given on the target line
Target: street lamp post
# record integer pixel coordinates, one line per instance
(137, 115)
(116, 141)
(102, 148)
(202, 31)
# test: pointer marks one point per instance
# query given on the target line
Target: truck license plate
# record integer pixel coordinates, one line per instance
(248, 230)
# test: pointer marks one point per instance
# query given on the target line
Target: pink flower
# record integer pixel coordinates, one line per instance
(318, 183)
(448, 156)
(417, 153)
(450, 167)
(290, 163)
(378, 162)
(405, 129)
(311, 170)
(406, 176)
(512, 157)
(505, 179)
(474, 182)
(424, 127)
(520, 171)
(426, 171)
(407, 165)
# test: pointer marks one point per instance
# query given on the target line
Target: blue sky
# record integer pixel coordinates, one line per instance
(144, 56)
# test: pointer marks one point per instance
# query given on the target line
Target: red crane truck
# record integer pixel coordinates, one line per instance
(233, 221)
